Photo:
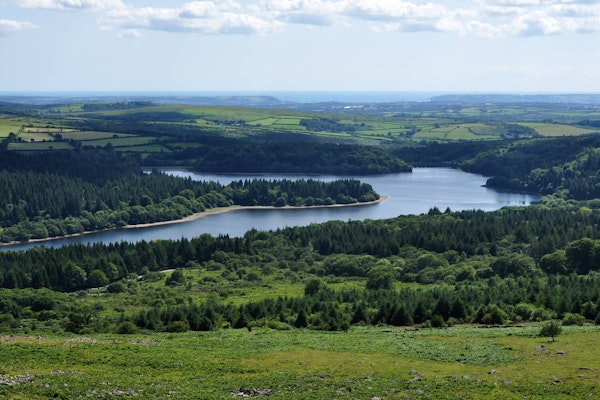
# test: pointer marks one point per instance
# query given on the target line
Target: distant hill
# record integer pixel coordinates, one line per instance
(518, 98)
(241, 101)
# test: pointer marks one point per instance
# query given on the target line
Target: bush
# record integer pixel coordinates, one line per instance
(126, 328)
(178, 326)
(116, 287)
(573, 319)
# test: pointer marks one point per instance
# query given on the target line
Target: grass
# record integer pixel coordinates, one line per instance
(7, 126)
(93, 135)
(39, 146)
(545, 129)
(36, 136)
(496, 363)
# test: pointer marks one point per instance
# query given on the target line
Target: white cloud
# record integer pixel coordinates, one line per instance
(72, 4)
(8, 26)
(473, 17)
(129, 34)
(199, 16)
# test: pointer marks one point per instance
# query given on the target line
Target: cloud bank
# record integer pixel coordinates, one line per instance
(483, 18)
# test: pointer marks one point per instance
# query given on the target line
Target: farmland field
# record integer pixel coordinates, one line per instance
(559, 129)
(39, 146)
(93, 135)
(7, 127)
(38, 137)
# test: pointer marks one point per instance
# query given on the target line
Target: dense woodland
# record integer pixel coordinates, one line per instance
(301, 157)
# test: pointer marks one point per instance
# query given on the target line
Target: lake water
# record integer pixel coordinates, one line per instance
(408, 193)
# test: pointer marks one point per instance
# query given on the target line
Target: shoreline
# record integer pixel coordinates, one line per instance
(192, 217)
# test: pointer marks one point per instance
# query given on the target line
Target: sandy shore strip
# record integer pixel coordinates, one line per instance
(210, 211)
(221, 210)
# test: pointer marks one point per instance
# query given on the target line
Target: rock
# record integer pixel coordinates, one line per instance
(413, 372)
(245, 392)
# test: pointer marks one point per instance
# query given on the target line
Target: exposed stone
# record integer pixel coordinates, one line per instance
(245, 392)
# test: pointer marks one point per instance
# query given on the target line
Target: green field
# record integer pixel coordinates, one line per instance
(363, 363)
(39, 146)
(560, 129)
(8, 126)
(36, 136)
(93, 135)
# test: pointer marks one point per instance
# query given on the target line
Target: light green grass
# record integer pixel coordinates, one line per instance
(38, 137)
(362, 363)
(264, 121)
(559, 129)
(6, 127)
(288, 121)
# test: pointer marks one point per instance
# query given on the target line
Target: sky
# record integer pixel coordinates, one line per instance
(517, 46)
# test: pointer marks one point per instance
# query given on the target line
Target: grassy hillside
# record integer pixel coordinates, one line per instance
(364, 363)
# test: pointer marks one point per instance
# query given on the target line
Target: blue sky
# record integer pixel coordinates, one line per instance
(295, 45)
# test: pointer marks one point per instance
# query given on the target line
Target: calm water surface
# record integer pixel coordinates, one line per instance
(408, 193)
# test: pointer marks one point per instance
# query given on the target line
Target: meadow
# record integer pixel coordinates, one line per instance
(362, 363)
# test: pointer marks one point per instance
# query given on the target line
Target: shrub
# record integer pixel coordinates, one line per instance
(573, 319)
(126, 328)
(116, 287)
(178, 326)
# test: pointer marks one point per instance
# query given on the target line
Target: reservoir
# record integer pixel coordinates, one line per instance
(407, 193)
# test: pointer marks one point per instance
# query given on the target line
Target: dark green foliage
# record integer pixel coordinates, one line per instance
(324, 124)
(583, 255)
(126, 328)
(96, 279)
(177, 277)
(551, 329)
(380, 277)
(300, 157)
(116, 287)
